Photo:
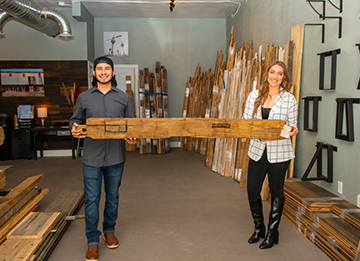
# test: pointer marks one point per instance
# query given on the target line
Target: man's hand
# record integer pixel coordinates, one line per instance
(76, 133)
(132, 141)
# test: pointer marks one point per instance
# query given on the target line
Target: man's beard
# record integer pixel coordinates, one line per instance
(103, 82)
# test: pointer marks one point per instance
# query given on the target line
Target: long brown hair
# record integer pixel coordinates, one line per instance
(264, 87)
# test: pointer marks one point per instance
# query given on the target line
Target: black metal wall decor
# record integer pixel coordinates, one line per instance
(318, 159)
(358, 87)
(348, 104)
(333, 55)
(323, 15)
(315, 100)
(322, 31)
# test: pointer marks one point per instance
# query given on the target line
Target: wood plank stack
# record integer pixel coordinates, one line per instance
(67, 203)
(328, 221)
(28, 235)
(19, 202)
(153, 103)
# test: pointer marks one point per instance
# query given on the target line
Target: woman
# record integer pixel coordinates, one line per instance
(272, 101)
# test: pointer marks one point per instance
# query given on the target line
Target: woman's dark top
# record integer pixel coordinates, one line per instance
(265, 113)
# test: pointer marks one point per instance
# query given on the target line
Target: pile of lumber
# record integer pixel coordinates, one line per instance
(19, 202)
(153, 103)
(223, 95)
(330, 222)
(34, 234)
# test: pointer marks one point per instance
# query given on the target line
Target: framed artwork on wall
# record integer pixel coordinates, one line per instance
(116, 44)
(22, 82)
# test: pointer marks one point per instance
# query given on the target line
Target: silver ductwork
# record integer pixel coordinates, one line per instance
(47, 20)
(4, 18)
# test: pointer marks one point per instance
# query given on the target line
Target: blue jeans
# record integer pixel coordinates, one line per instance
(92, 188)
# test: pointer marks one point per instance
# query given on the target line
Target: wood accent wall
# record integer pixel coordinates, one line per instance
(59, 111)
(55, 73)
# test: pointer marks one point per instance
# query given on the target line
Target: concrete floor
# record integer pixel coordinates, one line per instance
(172, 208)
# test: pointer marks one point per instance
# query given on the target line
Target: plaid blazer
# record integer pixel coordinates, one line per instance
(285, 108)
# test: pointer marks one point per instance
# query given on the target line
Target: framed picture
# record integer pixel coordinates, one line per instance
(22, 82)
(116, 44)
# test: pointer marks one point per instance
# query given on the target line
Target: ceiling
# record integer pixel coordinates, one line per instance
(154, 8)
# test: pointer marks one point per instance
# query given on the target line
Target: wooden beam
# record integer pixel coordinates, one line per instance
(154, 128)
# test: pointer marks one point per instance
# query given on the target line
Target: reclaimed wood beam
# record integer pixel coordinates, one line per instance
(155, 128)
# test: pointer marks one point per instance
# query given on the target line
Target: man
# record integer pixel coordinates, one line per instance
(102, 158)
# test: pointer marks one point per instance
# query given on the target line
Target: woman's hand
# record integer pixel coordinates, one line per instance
(294, 132)
(132, 141)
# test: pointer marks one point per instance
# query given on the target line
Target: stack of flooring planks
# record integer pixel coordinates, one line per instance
(230, 85)
(153, 103)
(328, 221)
(20, 201)
(67, 203)
(34, 234)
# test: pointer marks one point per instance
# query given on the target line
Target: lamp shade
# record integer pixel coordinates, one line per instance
(42, 112)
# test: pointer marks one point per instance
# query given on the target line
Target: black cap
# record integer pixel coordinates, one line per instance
(104, 59)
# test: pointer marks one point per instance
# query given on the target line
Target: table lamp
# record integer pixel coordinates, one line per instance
(42, 113)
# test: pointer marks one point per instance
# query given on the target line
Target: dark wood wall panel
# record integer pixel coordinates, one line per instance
(55, 73)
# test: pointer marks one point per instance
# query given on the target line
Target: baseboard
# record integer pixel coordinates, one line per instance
(55, 153)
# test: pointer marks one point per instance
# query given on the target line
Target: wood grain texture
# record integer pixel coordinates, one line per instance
(35, 225)
(5, 228)
(154, 128)
(17, 193)
(67, 202)
(2, 179)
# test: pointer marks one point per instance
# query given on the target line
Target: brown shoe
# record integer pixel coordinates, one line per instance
(111, 240)
(92, 253)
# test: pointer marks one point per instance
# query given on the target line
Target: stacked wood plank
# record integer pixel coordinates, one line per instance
(28, 235)
(67, 203)
(328, 221)
(153, 103)
(130, 147)
(19, 202)
(2, 179)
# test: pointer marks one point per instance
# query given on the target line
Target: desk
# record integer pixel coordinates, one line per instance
(50, 131)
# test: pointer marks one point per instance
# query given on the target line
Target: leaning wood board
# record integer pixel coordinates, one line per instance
(154, 128)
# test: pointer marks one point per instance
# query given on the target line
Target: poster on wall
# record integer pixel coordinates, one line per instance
(116, 44)
(22, 82)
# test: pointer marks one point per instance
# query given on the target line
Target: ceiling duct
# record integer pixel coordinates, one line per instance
(4, 18)
(47, 20)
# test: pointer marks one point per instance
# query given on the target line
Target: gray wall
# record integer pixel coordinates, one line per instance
(25, 43)
(178, 44)
(271, 21)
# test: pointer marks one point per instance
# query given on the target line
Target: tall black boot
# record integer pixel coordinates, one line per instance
(272, 236)
(257, 214)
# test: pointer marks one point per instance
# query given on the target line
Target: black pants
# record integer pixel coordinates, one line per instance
(256, 175)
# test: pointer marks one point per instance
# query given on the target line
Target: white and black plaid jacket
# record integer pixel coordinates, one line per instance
(285, 108)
